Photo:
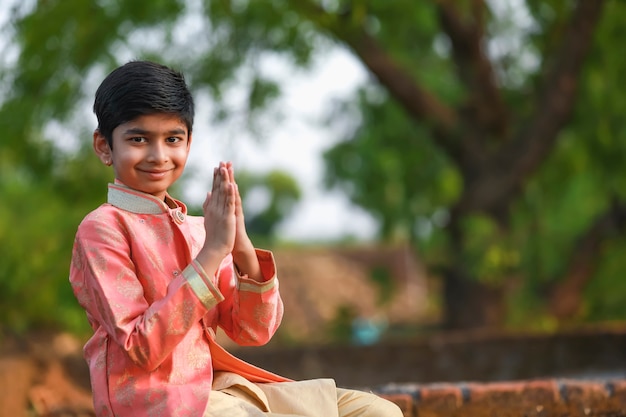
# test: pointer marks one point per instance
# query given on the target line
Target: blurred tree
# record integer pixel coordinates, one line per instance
(46, 54)
(486, 148)
(490, 134)
(52, 51)
(278, 192)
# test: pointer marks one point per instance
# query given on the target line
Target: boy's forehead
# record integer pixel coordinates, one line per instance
(155, 122)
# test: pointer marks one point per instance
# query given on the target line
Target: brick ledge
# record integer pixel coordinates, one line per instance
(542, 397)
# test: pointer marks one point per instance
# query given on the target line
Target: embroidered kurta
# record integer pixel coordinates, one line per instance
(154, 310)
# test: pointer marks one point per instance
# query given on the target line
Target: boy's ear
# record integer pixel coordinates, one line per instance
(102, 148)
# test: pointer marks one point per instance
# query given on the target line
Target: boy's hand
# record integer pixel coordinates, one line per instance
(220, 221)
(244, 254)
(242, 241)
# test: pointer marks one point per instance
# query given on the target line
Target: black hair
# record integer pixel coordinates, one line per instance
(138, 88)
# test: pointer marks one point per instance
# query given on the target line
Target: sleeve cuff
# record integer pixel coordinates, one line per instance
(268, 271)
(202, 285)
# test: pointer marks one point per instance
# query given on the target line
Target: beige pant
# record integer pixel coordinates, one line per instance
(234, 396)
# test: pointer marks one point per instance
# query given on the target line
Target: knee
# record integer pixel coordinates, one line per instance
(382, 407)
(353, 403)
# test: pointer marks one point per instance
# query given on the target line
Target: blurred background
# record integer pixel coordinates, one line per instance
(417, 167)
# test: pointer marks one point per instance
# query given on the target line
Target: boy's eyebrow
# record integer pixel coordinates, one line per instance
(140, 131)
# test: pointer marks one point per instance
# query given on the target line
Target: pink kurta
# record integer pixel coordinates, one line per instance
(154, 311)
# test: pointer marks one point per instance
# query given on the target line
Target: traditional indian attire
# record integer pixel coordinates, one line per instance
(154, 312)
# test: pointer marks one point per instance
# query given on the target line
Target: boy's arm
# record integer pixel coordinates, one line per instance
(252, 310)
(104, 281)
(247, 262)
(244, 253)
(219, 221)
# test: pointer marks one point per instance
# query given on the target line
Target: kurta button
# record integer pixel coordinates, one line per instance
(179, 216)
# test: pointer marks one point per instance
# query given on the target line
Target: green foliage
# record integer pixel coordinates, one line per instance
(36, 236)
(391, 168)
(605, 296)
(559, 204)
(389, 165)
(386, 161)
(584, 174)
(489, 254)
(47, 192)
(281, 193)
(60, 43)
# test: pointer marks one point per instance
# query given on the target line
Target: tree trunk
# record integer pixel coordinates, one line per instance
(472, 304)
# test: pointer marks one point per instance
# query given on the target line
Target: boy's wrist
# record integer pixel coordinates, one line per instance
(243, 247)
(243, 258)
(247, 263)
(209, 259)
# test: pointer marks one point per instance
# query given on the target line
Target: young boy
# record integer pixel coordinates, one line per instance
(156, 283)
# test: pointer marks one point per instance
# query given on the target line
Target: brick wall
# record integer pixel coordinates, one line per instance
(468, 356)
(548, 397)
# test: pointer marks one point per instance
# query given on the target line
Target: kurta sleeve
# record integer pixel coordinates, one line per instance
(106, 283)
(251, 311)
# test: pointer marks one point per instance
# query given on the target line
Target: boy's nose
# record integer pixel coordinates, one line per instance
(157, 153)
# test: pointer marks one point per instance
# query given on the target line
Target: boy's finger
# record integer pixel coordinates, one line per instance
(226, 192)
(215, 184)
(206, 201)
(229, 169)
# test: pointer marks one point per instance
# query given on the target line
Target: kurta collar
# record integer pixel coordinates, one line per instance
(128, 199)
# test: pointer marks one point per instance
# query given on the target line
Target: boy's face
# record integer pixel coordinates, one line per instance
(149, 152)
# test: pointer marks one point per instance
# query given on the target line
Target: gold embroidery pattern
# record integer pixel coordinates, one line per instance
(199, 287)
(126, 272)
(180, 320)
(155, 401)
(256, 287)
(125, 389)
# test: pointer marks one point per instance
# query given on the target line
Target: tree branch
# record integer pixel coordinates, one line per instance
(419, 103)
(503, 176)
(554, 107)
(565, 297)
(485, 106)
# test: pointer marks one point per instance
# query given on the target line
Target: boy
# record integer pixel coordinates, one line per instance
(156, 283)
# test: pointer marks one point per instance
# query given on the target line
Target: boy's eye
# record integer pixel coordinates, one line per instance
(137, 139)
(174, 139)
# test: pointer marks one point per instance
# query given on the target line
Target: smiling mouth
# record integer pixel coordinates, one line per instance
(156, 174)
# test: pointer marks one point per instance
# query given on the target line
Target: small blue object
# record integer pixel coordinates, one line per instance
(367, 331)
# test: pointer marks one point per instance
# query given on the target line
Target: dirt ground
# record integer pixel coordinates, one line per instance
(43, 375)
